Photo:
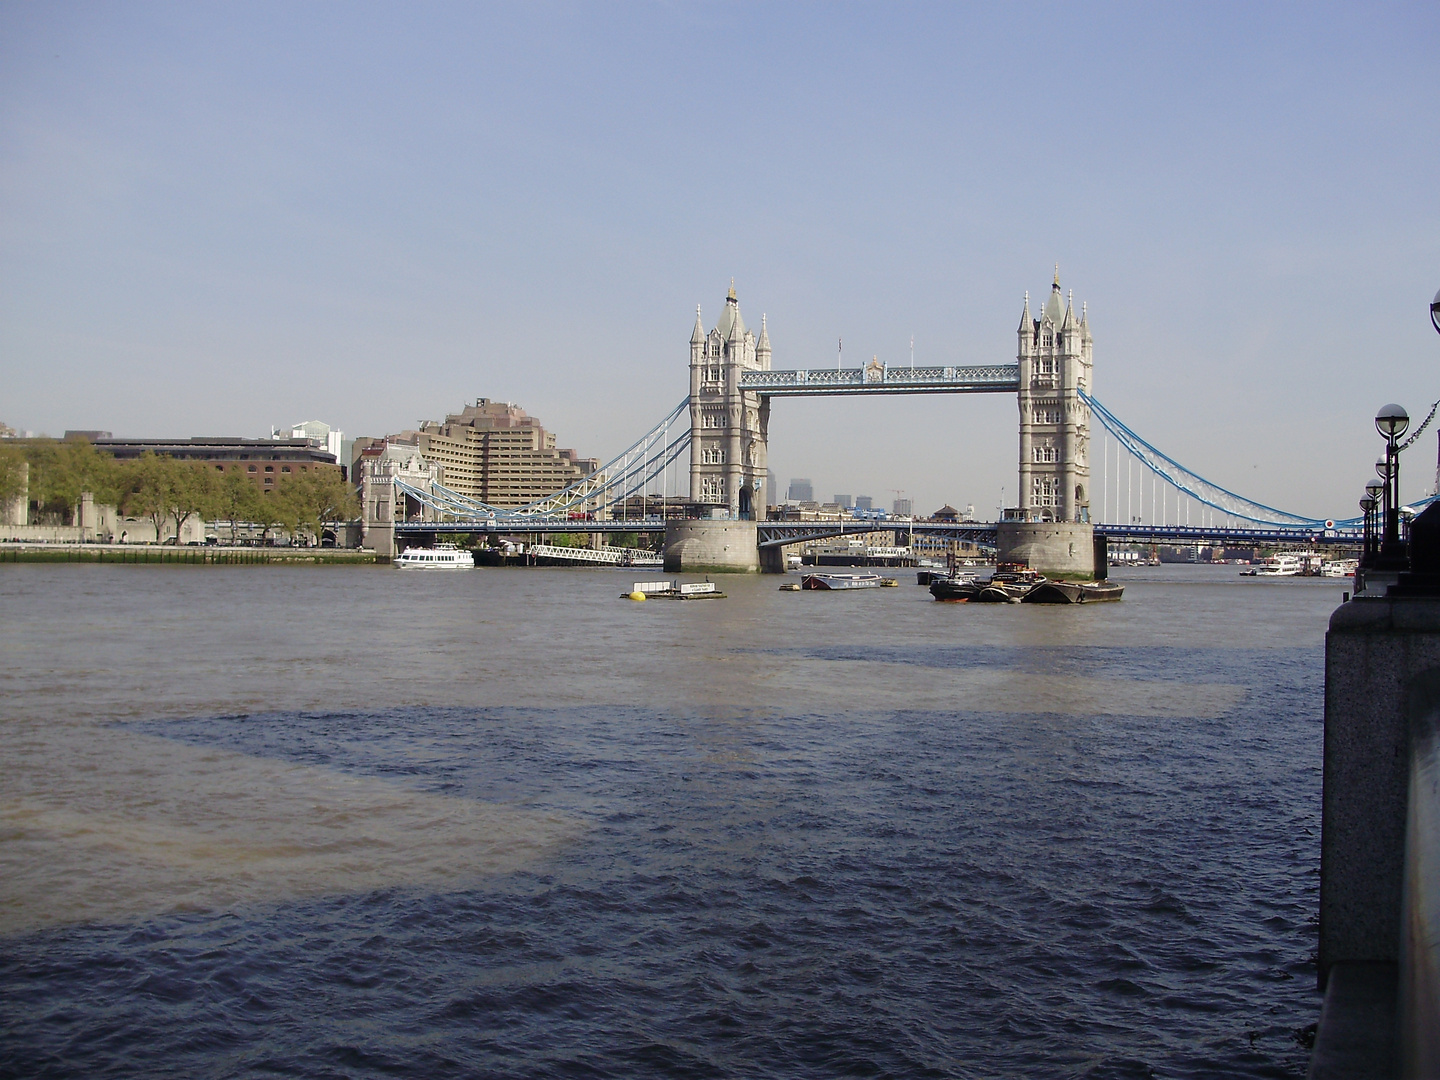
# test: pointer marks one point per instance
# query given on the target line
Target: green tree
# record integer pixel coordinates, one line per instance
(236, 499)
(193, 491)
(165, 491)
(77, 467)
(313, 498)
(146, 489)
(12, 474)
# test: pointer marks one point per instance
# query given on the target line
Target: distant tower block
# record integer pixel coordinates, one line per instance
(728, 426)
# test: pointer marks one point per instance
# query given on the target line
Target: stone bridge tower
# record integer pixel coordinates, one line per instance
(728, 426)
(1055, 365)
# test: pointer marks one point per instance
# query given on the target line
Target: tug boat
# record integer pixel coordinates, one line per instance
(440, 557)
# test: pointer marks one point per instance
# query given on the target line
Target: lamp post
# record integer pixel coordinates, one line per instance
(1368, 505)
(1391, 422)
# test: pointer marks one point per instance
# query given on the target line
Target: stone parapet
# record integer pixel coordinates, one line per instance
(707, 545)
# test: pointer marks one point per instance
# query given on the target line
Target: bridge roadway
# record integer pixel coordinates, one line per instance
(781, 533)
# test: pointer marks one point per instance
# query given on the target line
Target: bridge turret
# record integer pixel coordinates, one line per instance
(697, 338)
(762, 347)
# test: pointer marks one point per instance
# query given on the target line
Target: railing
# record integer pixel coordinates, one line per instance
(608, 555)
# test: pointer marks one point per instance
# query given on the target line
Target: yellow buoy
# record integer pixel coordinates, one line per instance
(637, 596)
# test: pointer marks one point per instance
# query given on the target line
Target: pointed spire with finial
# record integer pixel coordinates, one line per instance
(1027, 324)
(763, 345)
(697, 337)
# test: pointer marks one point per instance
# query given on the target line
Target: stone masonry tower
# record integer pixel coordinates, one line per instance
(1054, 422)
(728, 426)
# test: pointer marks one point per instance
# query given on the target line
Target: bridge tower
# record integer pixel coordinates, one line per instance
(1055, 364)
(728, 426)
(1049, 529)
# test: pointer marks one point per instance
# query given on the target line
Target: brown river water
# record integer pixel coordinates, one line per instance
(348, 821)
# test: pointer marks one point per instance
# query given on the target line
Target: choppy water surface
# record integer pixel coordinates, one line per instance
(332, 822)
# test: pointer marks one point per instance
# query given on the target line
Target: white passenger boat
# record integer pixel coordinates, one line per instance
(1339, 567)
(1281, 564)
(840, 582)
(440, 557)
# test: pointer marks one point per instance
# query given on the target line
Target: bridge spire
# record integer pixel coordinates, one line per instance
(1027, 324)
(697, 337)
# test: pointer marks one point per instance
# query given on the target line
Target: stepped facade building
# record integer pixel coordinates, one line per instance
(493, 452)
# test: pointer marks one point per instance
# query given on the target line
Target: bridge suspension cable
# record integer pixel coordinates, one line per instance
(1162, 467)
(629, 474)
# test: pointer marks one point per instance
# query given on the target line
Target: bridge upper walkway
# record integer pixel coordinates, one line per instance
(878, 379)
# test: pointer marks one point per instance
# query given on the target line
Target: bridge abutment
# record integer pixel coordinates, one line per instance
(711, 546)
(1054, 548)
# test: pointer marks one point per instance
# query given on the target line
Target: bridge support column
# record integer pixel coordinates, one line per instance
(1054, 548)
(711, 546)
(772, 560)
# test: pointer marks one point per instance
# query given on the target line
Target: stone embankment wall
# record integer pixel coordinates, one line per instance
(1379, 958)
(198, 555)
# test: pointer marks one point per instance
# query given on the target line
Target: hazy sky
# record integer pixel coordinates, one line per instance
(218, 217)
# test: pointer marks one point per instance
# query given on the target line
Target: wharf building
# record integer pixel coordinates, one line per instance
(493, 452)
(267, 462)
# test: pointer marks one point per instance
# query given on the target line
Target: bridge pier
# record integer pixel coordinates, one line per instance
(711, 546)
(772, 560)
(1054, 548)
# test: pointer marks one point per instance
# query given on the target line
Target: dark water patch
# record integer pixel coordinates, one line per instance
(912, 893)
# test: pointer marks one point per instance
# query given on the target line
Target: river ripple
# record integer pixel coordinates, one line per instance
(350, 822)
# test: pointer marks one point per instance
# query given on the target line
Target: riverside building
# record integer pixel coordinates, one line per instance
(496, 453)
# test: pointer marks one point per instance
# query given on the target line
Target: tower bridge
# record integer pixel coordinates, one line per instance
(723, 427)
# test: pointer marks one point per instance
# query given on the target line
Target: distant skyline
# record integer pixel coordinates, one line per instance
(218, 219)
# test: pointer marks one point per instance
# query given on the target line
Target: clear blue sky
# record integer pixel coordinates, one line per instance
(218, 217)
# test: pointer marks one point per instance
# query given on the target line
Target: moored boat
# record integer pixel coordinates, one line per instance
(954, 588)
(1073, 592)
(1003, 587)
(440, 557)
(842, 582)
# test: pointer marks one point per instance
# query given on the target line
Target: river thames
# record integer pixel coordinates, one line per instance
(351, 822)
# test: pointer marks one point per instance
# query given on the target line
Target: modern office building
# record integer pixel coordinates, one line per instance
(800, 491)
(864, 502)
(494, 452)
(904, 507)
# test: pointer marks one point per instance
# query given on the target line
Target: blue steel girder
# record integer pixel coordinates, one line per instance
(515, 524)
(784, 533)
(994, 378)
(1183, 535)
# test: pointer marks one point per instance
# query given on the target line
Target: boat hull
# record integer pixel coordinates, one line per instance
(1073, 592)
(943, 588)
(840, 582)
